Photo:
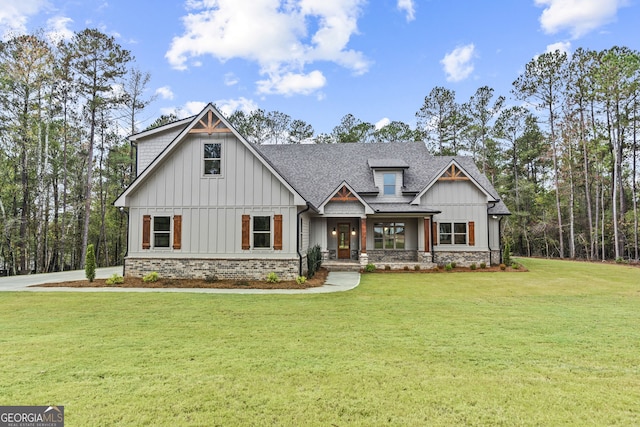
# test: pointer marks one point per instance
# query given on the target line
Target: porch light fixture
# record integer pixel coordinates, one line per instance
(333, 231)
(353, 231)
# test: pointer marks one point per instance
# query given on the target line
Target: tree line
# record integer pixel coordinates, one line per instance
(561, 148)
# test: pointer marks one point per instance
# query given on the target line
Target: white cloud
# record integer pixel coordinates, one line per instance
(382, 123)
(228, 106)
(408, 7)
(58, 29)
(165, 92)
(577, 16)
(230, 79)
(292, 83)
(458, 63)
(561, 46)
(282, 36)
(191, 108)
(15, 14)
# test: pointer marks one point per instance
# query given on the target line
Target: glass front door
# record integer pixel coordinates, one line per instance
(344, 241)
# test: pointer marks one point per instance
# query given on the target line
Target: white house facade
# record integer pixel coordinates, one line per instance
(207, 203)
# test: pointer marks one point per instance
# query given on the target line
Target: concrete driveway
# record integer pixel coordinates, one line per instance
(21, 283)
(337, 281)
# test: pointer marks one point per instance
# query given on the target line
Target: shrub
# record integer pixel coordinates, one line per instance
(314, 260)
(116, 279)
(301, 280)
(416, 267)
(503, 267)
(621, 260)
(440, 266)
(448, 267)
(515, 265)
(453, 265)
(370, 268)
(90, 264)
(483, 265)
(211, 279)
(436, 268)
(406, 268)
(473, 266)
(272, 278)
(506, 256)
(387, 267)
(151, 277)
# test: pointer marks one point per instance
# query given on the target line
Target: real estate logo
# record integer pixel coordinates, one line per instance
(31, 416)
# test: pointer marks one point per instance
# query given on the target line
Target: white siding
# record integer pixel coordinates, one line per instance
(459, 201)
(212, 206)
(149, 148)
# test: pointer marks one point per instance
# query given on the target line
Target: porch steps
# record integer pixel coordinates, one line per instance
(341, 265)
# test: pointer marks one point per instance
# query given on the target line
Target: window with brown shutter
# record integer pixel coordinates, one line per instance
(177, 232)
(146, 232)
(246, 232)
(277, 232)
(472, 233)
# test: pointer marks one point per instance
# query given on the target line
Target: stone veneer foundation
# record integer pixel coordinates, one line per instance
(201, 268)
(462, 259)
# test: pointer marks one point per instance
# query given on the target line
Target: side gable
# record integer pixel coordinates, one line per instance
(208, 122)
(345, 195)
(454, 172)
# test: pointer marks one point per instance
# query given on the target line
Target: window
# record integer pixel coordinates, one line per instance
(389, 180)
(161, 229)
(212, 159)
(453, 233)
(388, 235)
(261, 231)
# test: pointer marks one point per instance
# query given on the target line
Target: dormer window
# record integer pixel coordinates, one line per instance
(389, 184)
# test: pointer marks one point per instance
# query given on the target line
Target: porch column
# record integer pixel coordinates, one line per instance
(427, 235)
(363, 235)
(364, 258)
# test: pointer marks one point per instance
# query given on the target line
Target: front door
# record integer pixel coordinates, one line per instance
(344, 242)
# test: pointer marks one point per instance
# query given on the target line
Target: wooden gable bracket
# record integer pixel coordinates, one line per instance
(210, 126)
(453, 174)
(344, 195)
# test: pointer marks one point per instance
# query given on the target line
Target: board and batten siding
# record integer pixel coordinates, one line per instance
(212, 206)
(460, 201)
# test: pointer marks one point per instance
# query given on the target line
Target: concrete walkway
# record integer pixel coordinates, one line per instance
(337, 281)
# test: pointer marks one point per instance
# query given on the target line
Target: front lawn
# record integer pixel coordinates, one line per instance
(558, 345)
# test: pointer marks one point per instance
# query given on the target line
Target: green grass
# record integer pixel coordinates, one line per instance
(559, 345)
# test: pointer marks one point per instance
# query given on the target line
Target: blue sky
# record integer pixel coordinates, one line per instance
(318, 60)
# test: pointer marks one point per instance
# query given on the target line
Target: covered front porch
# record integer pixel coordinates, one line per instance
(394, 241)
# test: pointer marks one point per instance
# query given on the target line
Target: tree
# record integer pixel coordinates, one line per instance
(542, 85)
(299, 131)
(481, 111)
(442, 121)
(99, 62)
(352, 129)
(396, 131)
(90, 264)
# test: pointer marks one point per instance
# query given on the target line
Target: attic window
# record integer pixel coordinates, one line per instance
(212, 159)
(452, 173)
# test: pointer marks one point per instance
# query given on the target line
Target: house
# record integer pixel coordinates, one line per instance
(208, 203)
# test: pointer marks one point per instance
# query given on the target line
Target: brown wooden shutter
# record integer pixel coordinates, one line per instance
(177, 232)
(246, 232)
(277, 232)
(427, 241)
(434, 233)
(146, 231)
(472, 233)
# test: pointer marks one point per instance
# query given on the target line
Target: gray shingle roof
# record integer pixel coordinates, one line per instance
(316, 170)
